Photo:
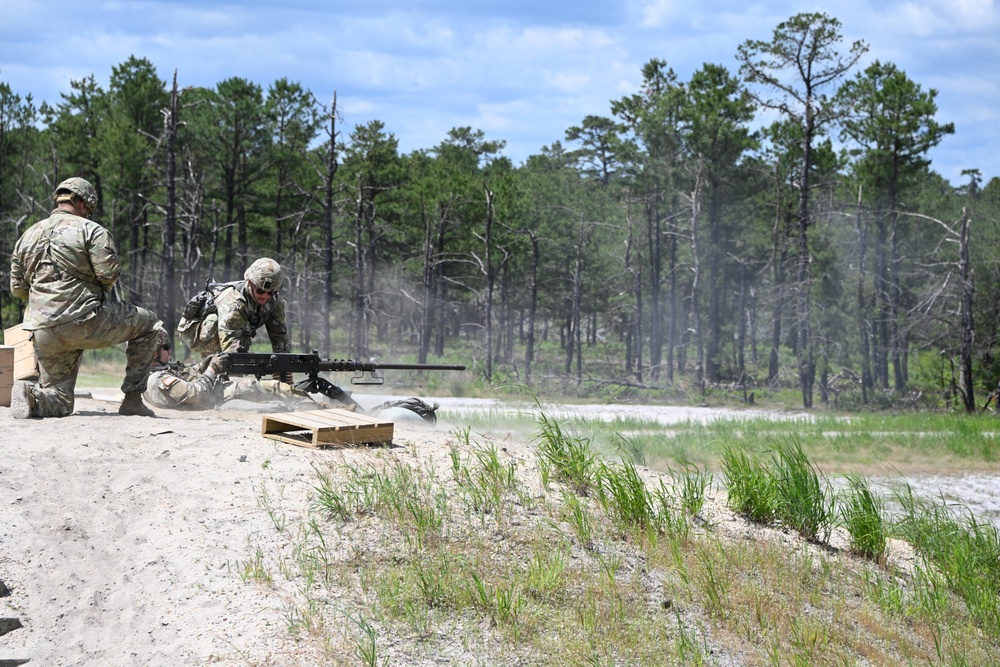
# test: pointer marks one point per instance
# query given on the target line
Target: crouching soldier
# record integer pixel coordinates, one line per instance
(65, 268)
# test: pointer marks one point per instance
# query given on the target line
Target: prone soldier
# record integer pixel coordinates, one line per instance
(205, 386)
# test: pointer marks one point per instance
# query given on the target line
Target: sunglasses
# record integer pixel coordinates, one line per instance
(258, 290)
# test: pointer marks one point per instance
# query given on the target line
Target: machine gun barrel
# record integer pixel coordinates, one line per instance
(365, 366)
(254, 363)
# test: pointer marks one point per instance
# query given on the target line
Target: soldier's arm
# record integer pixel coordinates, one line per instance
(18, 286)
(231, 321)
(104, 256)
(277, 331)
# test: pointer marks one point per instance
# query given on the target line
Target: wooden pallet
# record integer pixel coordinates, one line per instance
(323, 429)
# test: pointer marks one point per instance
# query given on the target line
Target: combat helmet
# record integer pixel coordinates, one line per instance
(162, 337)
(265, 273)
(79, 187)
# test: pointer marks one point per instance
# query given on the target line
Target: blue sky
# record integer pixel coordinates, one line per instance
(522, 71)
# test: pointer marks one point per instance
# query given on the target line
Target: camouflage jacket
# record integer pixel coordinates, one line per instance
(178, 386)
(240, 316)
(64, 266)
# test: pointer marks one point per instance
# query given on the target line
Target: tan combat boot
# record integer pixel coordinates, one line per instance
(133, 406)
(22, 401)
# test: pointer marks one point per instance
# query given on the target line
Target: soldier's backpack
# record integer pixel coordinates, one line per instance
(197, 312)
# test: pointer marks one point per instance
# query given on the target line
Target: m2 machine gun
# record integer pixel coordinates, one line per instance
(366, 373)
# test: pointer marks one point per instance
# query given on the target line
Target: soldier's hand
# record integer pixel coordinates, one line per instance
(204, 364)
(219, 364)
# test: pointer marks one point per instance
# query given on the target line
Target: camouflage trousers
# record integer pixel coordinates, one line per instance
(265, 391)
(59, 350)
(167, 389)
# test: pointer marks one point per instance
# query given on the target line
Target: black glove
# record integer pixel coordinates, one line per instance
(219, 364)
(204, 364)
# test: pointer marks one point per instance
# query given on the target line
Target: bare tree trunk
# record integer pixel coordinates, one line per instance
(695, 282)
(896, 338)
(633, 360)
(713, 346)
(968, 291)
(427, 289)
(655, 243)
(441, 294)
(864, 325)
(673, 309)
(752, 323)
(880, 361)
(169, 313)
(741, 332)
(490, 280)
(573, 342)
(778, 257)
(529, 350)
(807, 367)
(330, 171)
(361, 297)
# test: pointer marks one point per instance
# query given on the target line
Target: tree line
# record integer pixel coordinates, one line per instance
(679, 239)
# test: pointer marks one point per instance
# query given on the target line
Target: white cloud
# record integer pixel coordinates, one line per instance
(567, 82)
(520, 72)
(940, 18)
(655, 13)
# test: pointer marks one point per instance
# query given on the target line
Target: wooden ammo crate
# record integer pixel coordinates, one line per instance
(322, 429)
(24, 352)
(6, 374)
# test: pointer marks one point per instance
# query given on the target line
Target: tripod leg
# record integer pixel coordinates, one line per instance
(320, 385)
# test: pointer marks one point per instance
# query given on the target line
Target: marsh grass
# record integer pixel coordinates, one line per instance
(572, 457)
(752, 489)
(625, 494)
(692, 483)
(855, 443)
(864, 516)
(604, 567)
(805, 501)
(966, 552)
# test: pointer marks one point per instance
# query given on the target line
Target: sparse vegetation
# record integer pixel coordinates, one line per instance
(567, 554)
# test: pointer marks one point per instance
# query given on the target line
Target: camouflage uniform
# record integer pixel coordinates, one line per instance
(65, 267)
(240, 317)
(237, 315)
(178, 386)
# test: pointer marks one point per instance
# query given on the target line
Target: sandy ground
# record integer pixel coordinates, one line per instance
(121, 538)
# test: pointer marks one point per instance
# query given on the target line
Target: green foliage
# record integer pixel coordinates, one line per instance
(863, 512)
(965, 551)
(627, 497)
(486, 484)
(805, 502)
(441, 254)
(751, 488)
(571, 457)
(692, 484)
(783, 487)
